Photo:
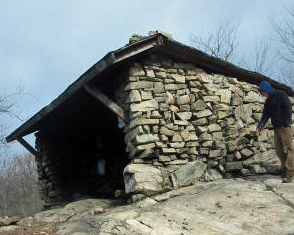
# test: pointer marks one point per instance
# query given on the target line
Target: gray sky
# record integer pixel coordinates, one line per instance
(47, 45)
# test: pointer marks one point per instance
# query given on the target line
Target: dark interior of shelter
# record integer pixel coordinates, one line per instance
(85, 146)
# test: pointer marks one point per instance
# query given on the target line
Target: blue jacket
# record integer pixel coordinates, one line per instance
(278, 108)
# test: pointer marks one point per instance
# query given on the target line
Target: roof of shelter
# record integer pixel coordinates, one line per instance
(159, 43)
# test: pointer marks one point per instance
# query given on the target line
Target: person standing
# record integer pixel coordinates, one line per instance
(278, 108)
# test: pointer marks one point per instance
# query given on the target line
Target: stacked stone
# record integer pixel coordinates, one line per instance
(179, 114)
(48, 170)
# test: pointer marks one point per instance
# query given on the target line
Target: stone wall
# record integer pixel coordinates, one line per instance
(48, 170)
(185, 124)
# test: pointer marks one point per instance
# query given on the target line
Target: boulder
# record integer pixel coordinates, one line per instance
(143, 179)
(188, 174)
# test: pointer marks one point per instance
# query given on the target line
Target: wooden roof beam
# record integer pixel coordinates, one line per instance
(111, 105)
(28, 146)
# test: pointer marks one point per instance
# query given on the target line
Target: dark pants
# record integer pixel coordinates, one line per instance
(284, 149)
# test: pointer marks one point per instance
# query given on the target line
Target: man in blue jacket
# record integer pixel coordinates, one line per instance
(278, 108)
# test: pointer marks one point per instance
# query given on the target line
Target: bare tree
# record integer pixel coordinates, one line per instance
(285, 35)
(284, 30)
(7, 109)
(18, 185)
(263, 59)
(219, 42)
(18, 179)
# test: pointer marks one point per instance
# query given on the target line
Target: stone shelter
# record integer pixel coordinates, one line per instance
(149, 117)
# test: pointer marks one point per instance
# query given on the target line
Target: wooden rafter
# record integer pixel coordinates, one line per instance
(111, 105)
(28, 146)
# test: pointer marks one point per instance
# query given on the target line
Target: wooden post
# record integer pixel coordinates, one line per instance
(28, 146)
(105, 100)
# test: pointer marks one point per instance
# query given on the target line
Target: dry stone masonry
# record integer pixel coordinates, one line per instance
(186, 124)
(183, 124)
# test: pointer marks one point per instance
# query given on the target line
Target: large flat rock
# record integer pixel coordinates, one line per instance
(262, 206)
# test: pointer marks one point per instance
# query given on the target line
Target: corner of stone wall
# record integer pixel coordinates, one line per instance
(192, 125)
(48, 171)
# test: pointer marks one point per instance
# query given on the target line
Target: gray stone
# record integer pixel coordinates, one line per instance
(192, 144)
(150, 73)
(178, 78)
(205, 137)
(185, 134)
(214, 153)
(223, 114)
(185, 99)
(257, 169)
(158, 87)
(225, 95)
(148, 105)
(233, 166)
(134, 96)
(199, 105)
(139, 85)
(211, 98)
(181, 123)
(165, 131)
(246, 153)
(170, 98)
(143, 179)
(145, 95)
(244, 112)
(174, 87)
(207, 144)
(200, 122)
(192, 137)
(222, 107)
(236, 100)
(146, 138)
(177, 137)
(160, 74)
(188, 174)
(9, 220)
(214, 128)
(177, 145)
(140, 148)
(143, 121)
(184, 115)
(168, 150)
(211, 86)
(216, 136)
(201, 129)
(177, 162)
(147, 153)
(253, 97)
(164, 158)
(204, 113)
(190, 77)
(203, 77)
(219, 145)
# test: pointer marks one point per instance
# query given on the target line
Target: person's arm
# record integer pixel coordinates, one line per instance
(287, 109)
(264, 119)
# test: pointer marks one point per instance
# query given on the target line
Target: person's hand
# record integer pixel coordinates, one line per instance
(257, 132)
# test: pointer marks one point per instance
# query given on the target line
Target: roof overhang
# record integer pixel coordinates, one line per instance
(159, 43)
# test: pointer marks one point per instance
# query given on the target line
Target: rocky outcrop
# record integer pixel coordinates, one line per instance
(262, 206)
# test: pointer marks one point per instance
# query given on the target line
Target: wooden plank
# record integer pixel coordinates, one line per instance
(28, 146)
(95, 92)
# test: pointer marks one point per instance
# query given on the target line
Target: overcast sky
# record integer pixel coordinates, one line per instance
(47, 45)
